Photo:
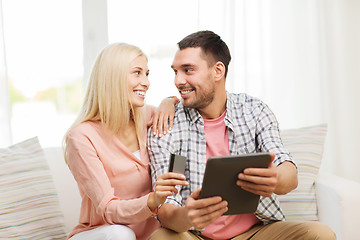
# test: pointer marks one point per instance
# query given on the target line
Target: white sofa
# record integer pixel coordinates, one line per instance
(66, 187)
(36, 203)
(337, 198)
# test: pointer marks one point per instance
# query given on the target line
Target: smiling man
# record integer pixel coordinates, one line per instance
(210, 122)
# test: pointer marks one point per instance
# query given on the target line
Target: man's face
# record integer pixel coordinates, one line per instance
(194, 78)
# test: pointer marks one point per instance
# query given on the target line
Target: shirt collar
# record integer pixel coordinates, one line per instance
(231, 109)
(194, 115)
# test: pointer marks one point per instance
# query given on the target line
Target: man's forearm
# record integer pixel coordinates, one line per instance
(287, 178)
(174, 217)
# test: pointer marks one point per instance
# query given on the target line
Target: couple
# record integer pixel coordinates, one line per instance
(107, 153)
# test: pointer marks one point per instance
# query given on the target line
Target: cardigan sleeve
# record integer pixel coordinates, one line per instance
(94, 183)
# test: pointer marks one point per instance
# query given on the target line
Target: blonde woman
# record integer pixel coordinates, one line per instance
(106, 150)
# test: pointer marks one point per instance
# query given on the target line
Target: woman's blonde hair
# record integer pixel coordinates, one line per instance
(107, 97)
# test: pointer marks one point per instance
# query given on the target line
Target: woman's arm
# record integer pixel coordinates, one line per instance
(94, 183)
(163, 116)
(165, 187)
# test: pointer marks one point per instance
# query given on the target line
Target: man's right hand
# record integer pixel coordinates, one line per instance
(203, 212)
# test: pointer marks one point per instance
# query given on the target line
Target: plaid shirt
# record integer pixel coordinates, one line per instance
(252, 127)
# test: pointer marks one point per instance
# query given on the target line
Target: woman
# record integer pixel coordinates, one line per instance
(106, 150)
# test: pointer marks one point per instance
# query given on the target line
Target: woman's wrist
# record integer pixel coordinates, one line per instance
(152, 205)
(176, 100)
(151, 202)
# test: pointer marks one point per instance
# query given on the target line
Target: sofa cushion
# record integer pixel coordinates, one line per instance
(306, 147)
(29, 206)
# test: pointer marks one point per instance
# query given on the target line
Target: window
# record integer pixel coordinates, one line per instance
(155, 27)
(43, 44)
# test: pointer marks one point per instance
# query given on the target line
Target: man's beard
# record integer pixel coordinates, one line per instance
(203, 99)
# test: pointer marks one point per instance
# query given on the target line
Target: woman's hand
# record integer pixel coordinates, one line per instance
(164, 115)
(164, 187)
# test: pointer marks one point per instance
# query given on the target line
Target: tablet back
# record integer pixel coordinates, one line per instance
(220, 180)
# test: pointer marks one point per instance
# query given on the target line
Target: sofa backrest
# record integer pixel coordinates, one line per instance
(66, 186)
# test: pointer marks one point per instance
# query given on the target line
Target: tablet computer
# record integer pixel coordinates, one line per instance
(221, 174)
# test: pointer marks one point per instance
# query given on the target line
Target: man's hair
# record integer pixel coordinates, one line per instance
(211, 44)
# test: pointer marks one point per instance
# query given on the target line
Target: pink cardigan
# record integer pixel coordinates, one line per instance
(113, 183)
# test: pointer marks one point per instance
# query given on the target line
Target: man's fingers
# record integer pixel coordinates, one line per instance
(263, 172)
(205, 220)
(212, 208)
(263, 190)
(258, 192)
(195, 194)
(205, 203)
(201, 217)
(272, 155)
(260, 180)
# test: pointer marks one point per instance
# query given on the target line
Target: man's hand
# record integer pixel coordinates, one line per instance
(265, 181)
(260, 181)
(202, 212)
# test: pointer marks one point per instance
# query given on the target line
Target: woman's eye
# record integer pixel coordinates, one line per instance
(137, 72)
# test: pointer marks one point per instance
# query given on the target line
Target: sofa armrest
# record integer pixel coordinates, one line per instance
(338, 204)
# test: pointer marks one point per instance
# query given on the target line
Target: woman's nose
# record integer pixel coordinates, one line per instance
(145, 81)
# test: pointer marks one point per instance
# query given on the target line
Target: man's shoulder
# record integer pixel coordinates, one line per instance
(244, 100)
(181, 113)
(180, 123)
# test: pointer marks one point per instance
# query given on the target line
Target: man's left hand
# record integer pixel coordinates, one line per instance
(260, 181)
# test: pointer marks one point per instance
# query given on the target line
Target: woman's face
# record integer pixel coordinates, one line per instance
(138, 82)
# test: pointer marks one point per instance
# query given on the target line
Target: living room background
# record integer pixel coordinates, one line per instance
(301, 57)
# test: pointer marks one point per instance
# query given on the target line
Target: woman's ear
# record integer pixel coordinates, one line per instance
(219, 69)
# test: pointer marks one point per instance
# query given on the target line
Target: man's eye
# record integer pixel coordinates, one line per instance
(188, 70)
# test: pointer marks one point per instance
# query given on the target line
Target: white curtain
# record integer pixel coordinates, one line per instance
(5, 132)
(95, 32)
(302, 57)
(340, 20)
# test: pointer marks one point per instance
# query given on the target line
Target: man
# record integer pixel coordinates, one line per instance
(209, 122)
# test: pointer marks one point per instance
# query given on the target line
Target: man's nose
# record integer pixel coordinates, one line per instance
(179, 80)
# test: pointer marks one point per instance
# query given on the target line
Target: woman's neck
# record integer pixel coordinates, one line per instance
(128, 137)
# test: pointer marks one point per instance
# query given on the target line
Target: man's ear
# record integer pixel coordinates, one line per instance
(219, 69)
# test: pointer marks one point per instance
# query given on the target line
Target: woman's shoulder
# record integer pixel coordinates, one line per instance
(87, 128)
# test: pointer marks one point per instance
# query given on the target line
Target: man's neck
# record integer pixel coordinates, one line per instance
(215, 108)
